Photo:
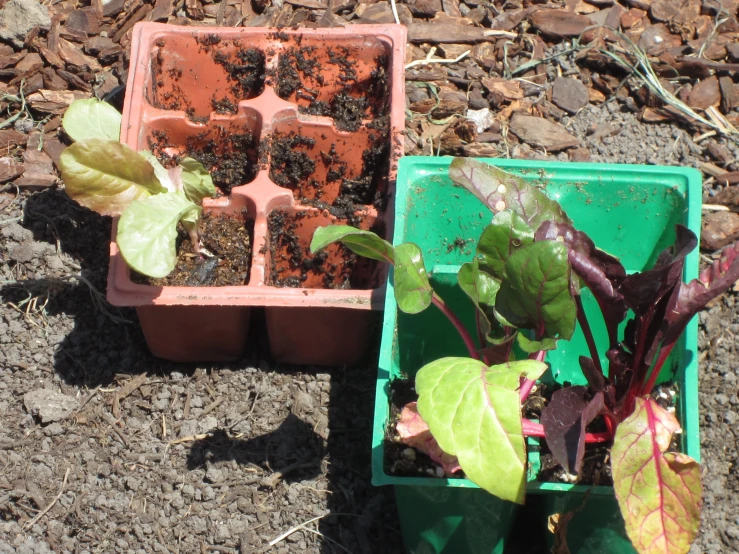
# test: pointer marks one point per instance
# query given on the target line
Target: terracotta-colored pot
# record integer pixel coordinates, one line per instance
(237, 97)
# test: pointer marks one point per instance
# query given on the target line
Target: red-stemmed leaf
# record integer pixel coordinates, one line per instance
(659, 492)
(564, 419)
(413, 431)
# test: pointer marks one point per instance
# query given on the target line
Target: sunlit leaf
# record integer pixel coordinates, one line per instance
(474, 413)
(659, 492)
(90, 118)
(147, 232)
(507, 233)
(159, 170)
(500, 190)
(364, 243)
(413, 291)
(197, 182)
(106, 176)
(481, 289)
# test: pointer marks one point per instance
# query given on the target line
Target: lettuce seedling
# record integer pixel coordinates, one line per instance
(110, 178)
(525, 282)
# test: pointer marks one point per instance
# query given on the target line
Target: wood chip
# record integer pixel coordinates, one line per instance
(446, 33)
(510, 90)
(560, 23)
(72, 54)
(10, 138)
(729, 94)
(537, 131)
(719, 229)
(52, 101)
(137, 16)
(10, 169)
(705, 94)
(126, 390)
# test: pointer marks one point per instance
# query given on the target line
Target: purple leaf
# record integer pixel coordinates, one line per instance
(595, 378)
(601, 272)
(565, 418)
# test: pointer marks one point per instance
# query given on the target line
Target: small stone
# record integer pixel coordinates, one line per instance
(208, 424)
(214, 475)
(570, 94)
(409, 454)
(483, 119)
(49, 405)
(18, 17)
(731, 417)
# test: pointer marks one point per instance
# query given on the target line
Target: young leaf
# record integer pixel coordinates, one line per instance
(506, 234)
(364, 243)
(197, 182)
(481, 288)
(106, 176)
(564, 419)
(500, 190)
(413, 291)
(147, 232)
(413, 431)
(596, 379)
(659, 492)
(159, 170)
(474, 413)
(91, 118)
(536, 293)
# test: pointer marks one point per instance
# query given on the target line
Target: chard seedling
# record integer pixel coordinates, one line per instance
(525, 283)
(111, 178)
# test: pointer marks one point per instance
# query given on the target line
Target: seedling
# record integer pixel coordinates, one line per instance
(111, 178)
(525, 283)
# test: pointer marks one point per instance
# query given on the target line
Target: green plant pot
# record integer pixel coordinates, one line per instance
(630, 212)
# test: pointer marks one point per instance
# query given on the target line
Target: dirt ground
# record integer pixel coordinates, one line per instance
(191, 459)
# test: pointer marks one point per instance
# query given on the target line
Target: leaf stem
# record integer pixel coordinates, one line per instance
(452, 317)
(585, 326)
(664, 353)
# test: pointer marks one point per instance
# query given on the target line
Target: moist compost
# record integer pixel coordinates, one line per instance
(244, 69)
(292, 264)
(299, 75)
(230, 158)
(227, 238)
(294, 159)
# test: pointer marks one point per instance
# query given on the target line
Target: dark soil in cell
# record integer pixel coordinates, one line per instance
(245, 70)
(292, 264)
(291, 65)
(231, 158)
(227, 238)
(290, 167)
(347, 111)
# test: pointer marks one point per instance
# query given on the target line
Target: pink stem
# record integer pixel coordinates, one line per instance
(533, 429)
(451, 316)
(528, 384)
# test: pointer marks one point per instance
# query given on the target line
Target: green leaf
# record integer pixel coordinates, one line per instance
(500, 190)
(474, 413)
(659, 492)
(91, 118)
(507, 233)
(413, 291)
(106, 176)
(159, 170)
(536, 293)
(531, 346)
(364, 243)
(481, 288)
(147, 232)
(197, 182)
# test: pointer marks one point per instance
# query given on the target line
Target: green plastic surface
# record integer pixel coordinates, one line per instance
(630, 212)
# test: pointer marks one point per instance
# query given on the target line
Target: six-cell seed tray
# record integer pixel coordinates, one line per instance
(300, 129)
